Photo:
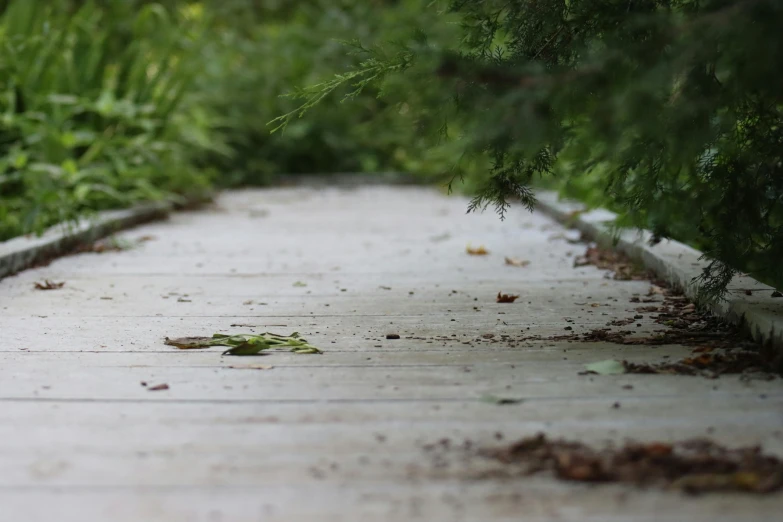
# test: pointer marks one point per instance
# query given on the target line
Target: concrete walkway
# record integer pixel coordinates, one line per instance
(339, 436)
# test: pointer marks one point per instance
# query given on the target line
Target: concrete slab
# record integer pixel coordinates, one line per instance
(340, 436)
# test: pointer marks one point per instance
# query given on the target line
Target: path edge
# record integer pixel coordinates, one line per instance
(677, 264)
(25, 252)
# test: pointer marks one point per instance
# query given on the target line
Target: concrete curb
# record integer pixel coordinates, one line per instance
(678, 264)
(24, 252)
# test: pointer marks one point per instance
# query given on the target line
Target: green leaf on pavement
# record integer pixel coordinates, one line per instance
(248, 348)
(190, 343)
(246, 344)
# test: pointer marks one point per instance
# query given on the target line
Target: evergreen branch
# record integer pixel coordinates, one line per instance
(369, 71)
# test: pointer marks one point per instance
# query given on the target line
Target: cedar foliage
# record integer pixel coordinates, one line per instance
(671, 108)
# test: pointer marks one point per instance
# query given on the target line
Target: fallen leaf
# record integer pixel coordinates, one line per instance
(248, 348)
(392, 336)
(246, 344)
(190, 343)
(776, 293)
(607, 367)
(512, 261)
(252, 367)
(49, 285)
(300, 284)
(479, 251)
(506, 298)
(158, 387)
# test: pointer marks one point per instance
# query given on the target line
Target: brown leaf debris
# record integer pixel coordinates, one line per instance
(49, 285)
(692, 466)
(477, 251)
(606, 259)
(513, 261)
(506, 298)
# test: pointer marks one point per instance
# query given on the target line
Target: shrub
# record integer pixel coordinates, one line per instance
(91, 111)
(108, 103)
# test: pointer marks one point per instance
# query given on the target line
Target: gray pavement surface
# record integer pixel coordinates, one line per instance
(339, 436)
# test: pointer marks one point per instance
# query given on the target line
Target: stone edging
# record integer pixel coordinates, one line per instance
(24, 252)
(678, 264)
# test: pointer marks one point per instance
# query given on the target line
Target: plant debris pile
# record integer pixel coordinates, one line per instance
(719, 347)
(692, 466)
(621, 266)
(707, 364)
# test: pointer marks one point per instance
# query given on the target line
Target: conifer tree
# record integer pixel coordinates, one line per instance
(675, 107)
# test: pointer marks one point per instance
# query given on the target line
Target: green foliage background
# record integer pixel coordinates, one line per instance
(105, 103)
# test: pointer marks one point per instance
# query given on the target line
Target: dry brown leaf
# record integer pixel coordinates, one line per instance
(189, 343)
(478, 251)
(159, 387)
(49, 285)
(513, 261)
(506, 298)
